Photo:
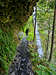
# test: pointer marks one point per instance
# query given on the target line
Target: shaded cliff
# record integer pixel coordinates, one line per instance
(13, 14)
(16, 11)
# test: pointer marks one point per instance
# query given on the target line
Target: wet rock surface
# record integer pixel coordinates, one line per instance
(21, 64)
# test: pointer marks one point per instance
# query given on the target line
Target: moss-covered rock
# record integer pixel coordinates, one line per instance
(16, 11)
(13, 14)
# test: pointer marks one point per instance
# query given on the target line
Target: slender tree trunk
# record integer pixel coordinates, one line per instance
(53, 28)
(47, 47)
(35, 22)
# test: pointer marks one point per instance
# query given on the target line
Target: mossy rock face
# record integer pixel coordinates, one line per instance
(13, 14)
(16, 11)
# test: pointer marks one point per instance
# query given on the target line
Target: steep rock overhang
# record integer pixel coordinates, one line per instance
(16, 11)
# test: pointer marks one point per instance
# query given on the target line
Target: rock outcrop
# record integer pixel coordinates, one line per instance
(21, 64)
(16, 11)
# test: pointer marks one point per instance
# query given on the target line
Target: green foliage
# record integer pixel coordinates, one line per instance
(40, 65)
(7, 50)
(16, 12)
(45, 12)
(46, 70)
(29, 25)
(30, 36)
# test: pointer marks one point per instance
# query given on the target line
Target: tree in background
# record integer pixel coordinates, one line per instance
(53, 28)
(48, 40)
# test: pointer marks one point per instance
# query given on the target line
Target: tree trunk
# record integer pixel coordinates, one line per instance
(35, 22)
(47, 47)
(52, 40)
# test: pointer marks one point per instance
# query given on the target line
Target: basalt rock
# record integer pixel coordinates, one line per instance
(21, 64)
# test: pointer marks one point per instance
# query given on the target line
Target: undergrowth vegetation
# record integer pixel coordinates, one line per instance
(40, 66)
(30, 26)
(7, 50)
